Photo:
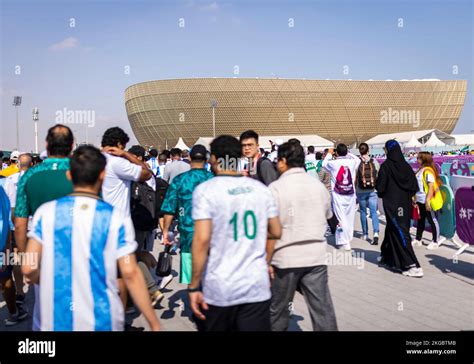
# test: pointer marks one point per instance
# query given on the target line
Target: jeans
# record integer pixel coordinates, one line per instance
(368, 199)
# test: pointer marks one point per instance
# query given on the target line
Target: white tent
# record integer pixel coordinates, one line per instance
(433, 141)
(181, 144)
(306, 140)
(413, 143)
(206, 141)
(405, 137)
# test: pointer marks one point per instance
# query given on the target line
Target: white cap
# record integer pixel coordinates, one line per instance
(15, 155)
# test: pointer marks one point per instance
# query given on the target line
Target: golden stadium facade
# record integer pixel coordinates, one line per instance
(339, 110)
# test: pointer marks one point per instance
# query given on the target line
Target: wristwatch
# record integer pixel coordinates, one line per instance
(192, 290)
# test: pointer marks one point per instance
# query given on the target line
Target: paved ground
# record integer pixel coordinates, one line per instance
(366, 296)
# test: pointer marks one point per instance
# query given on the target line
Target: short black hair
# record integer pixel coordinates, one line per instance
(293, 153)
(153, 153)
(363, 148)
(294, 140)
(60, 140)
(87, 162)
(137, 150)
(228, 149)
(248, 134)
(166, 152)
(311, 149)
(175, 152)
(113, 136)
(319, 156)
(341, 149)
(162, 157)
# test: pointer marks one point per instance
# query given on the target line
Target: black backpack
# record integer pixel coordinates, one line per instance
(366, 175)
(161, 188)
(259, 169)
(143, 206)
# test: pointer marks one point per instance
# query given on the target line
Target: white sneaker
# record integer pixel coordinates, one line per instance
(432, 246)
(346, 247)
(416, 243)
(413, 272)
(365, 237)
(165, 281)
(441, 240)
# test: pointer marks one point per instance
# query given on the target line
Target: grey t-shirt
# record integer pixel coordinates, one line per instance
(174, 169)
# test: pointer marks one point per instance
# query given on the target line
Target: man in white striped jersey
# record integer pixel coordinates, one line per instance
(78, 240)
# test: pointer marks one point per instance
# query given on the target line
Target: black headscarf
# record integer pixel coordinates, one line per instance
(398, 168)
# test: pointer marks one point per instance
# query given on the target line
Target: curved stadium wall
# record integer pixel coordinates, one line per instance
(342, 111)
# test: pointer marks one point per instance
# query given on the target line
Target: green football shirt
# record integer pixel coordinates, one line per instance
(42, 183)
(179, 201)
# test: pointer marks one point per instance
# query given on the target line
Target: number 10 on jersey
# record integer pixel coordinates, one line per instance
(249, 221)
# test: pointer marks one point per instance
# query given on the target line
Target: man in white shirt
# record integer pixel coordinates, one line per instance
(234, 215)
(343, 172)
(310, 162)
(122, 168)
(176, 167)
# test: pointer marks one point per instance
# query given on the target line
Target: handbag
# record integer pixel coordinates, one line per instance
(415, 212)
(332, 222)
(164, 265)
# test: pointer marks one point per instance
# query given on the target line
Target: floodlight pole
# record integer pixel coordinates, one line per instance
(35, 119)
(16, 103)
(213, 106)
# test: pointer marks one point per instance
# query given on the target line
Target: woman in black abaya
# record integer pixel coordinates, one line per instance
(396, 185)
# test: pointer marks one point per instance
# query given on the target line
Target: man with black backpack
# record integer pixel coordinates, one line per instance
(143, 210)
(258, 166)
(365, 190)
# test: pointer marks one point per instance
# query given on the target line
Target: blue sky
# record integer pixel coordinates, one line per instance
(82, 67)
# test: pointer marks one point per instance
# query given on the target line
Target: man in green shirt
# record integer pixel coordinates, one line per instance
(178, 201)
(43, 183)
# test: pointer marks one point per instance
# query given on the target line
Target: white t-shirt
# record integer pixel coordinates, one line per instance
(311, 158)
(421, 195)
(11, 183)
(119, 173)
(236, 271)
(175, 168)
(333, 165)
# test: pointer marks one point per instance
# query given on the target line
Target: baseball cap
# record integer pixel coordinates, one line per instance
(15, 155)
(198, 152)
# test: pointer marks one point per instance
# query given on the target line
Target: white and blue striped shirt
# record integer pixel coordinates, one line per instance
(82, 238)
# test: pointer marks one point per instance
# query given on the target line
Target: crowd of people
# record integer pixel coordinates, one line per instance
(251, 228)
